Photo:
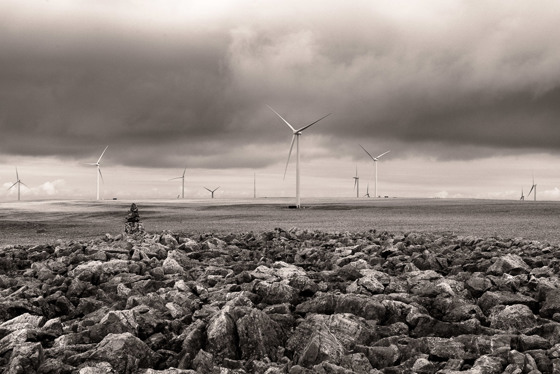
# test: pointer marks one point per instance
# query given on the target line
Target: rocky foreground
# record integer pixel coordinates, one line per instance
(281, 302)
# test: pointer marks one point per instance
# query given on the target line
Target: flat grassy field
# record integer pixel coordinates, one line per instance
(35, 222)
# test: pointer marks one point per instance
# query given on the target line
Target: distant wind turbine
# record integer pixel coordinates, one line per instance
(357, 183)
(183, 178)
(212, 191)
(98, 164)
(522, 197)
(375, 159)
(533, 188)
(18, 183)
(295, 138)
(367, 191)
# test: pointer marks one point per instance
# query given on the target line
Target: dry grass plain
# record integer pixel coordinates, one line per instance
(34, 222)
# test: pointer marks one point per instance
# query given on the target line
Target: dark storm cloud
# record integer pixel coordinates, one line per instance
(190, 83)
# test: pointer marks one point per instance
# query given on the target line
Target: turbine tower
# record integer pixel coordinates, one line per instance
(357, 183)
(375, 159)
(98, 164)
(212, 191)
(18, 183)
(533, 188)
(295, 138)
(254, 185)
(183, 178)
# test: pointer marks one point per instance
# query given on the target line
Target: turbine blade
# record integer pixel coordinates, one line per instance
(355, 182)
(311, 124)
(367, 152)
(216, 189)
(12, 186)
(25, 185)
(17, 175)
(90, 163)
(184, 171)
(282, 118)
(101, 175)
(207, 189)
(383, 154)
(289, 155)
(175, 178)
(531, 190)
(98, 161)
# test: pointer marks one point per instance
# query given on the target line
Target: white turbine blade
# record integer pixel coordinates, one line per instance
(355, 182)
(531, 190)
(282, 118)
(207, 189)
(17, 175)
(367, 152)
(311, 124)
(12, 186)
(216, 189)
(98, 161)
(383, 154)
(101, 175)
(90, 163)
(25, 185)
(184, 171)
(289, 155)
(172, 179)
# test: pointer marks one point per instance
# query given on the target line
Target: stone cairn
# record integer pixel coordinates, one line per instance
(132, 224)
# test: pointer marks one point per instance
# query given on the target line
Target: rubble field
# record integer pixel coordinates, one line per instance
(281, 301)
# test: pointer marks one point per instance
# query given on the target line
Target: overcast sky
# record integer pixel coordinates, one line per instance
(465, 95)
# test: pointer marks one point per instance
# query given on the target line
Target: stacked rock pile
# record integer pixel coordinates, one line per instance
(291, 301)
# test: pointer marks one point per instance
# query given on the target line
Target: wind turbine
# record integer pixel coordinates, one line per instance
(375, 159)
(98, 164)
(19, 183)
(212, 191)
(357, 183)
(183, 178)
(295, 138)
(522, 197)
(367, 191)
(533, 187)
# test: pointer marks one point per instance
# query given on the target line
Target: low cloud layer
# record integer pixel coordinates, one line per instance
(178, 82)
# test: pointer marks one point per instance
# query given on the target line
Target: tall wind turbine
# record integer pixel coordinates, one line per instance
(98, 164)
(212, 191)
(18, 183)
(375, 159)
(183, 178)
(295, 138)
(533, 187)
(357, 183)
(367, 191)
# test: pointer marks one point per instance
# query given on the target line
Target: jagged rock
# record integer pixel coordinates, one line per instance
(510, 264)
(490, 299)
(313, 343)
(26, 358)
(221, 336)
(192, 343)
(24, 321)
(513, 318)
(125, 352)
(258, 337)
